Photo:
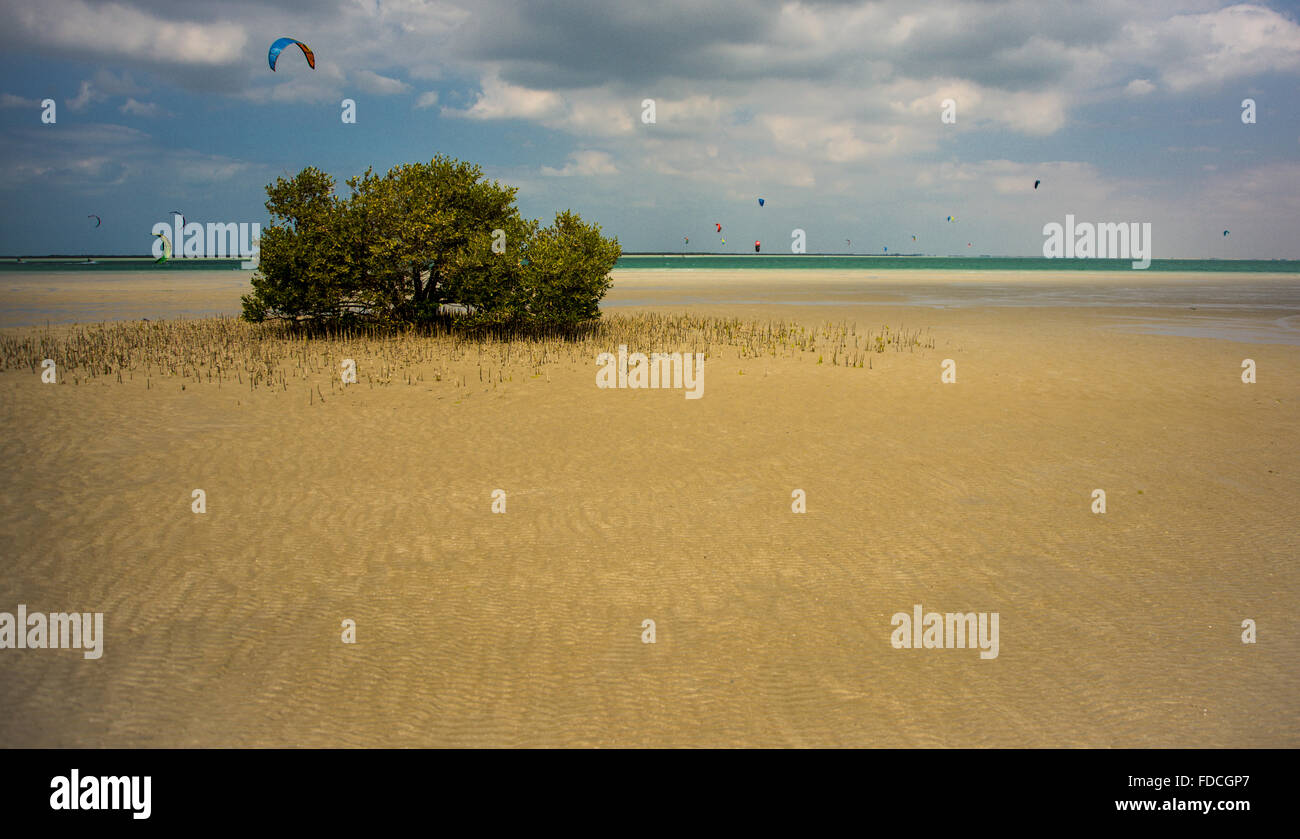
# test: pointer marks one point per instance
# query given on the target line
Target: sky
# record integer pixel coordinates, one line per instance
(830, 111)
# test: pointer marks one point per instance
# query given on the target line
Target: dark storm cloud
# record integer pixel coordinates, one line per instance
(1010, 45)
(1014, 46)
(582, 44)
(307, 12)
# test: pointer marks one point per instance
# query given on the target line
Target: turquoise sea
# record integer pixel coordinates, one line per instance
(1215, 298)
(947, 263)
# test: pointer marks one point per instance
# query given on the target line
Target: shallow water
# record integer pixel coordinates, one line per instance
(1224, 310)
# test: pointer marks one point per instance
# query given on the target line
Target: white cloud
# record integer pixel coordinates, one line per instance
(302, 86)
(500, 100)
(9, 100)
(1202, 50)
(141, 109)
(193, 167)
(372, 82)
(1030, 113)
(84, 97)
(584, 163)
(123, 85)
(832, 100)
(836, 142)
(415, 17)
(603, 118)
(121, 30)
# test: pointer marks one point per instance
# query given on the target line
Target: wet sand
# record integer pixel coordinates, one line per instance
(773, 628)
(63, 297)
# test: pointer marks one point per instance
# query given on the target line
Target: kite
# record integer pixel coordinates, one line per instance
(1036, 183)
(167, 249)
(886, 250)
(280, 43)
(724, 241)
(760, 202)
(686, 239)
(913, 237)
(757, 245)
(1225, 233)
(968, 244)
(719, 227)
(98, 220)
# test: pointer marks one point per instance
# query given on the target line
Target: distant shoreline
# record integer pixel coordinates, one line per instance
(733, 261)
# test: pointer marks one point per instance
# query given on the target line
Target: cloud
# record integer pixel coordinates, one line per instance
(113, 85)
(302, 86)
(372, 82)
(197, 168)
(523, 55)
(84, 97)
(1026, 112)
(584, 163)
(836, 142)
(828, 100)
(499, 100)
(418, 18)
(98, 156)
(583, 113)
(9, 100)
(121, 30)
(1209, 49)
(142, 109)
(1264, 193)
(571, 44)
(1139, 87)
(80, 157)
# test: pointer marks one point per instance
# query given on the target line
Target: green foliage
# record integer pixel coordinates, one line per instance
(406, 244)
(302, 274)
(567, 272)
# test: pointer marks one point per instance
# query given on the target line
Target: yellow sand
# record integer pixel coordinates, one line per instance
(35, 298)
(1122, 629)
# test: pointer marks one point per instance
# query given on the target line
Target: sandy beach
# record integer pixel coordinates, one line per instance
(374, 503)
(37, 298)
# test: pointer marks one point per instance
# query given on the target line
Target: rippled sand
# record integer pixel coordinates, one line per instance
(773, 628)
